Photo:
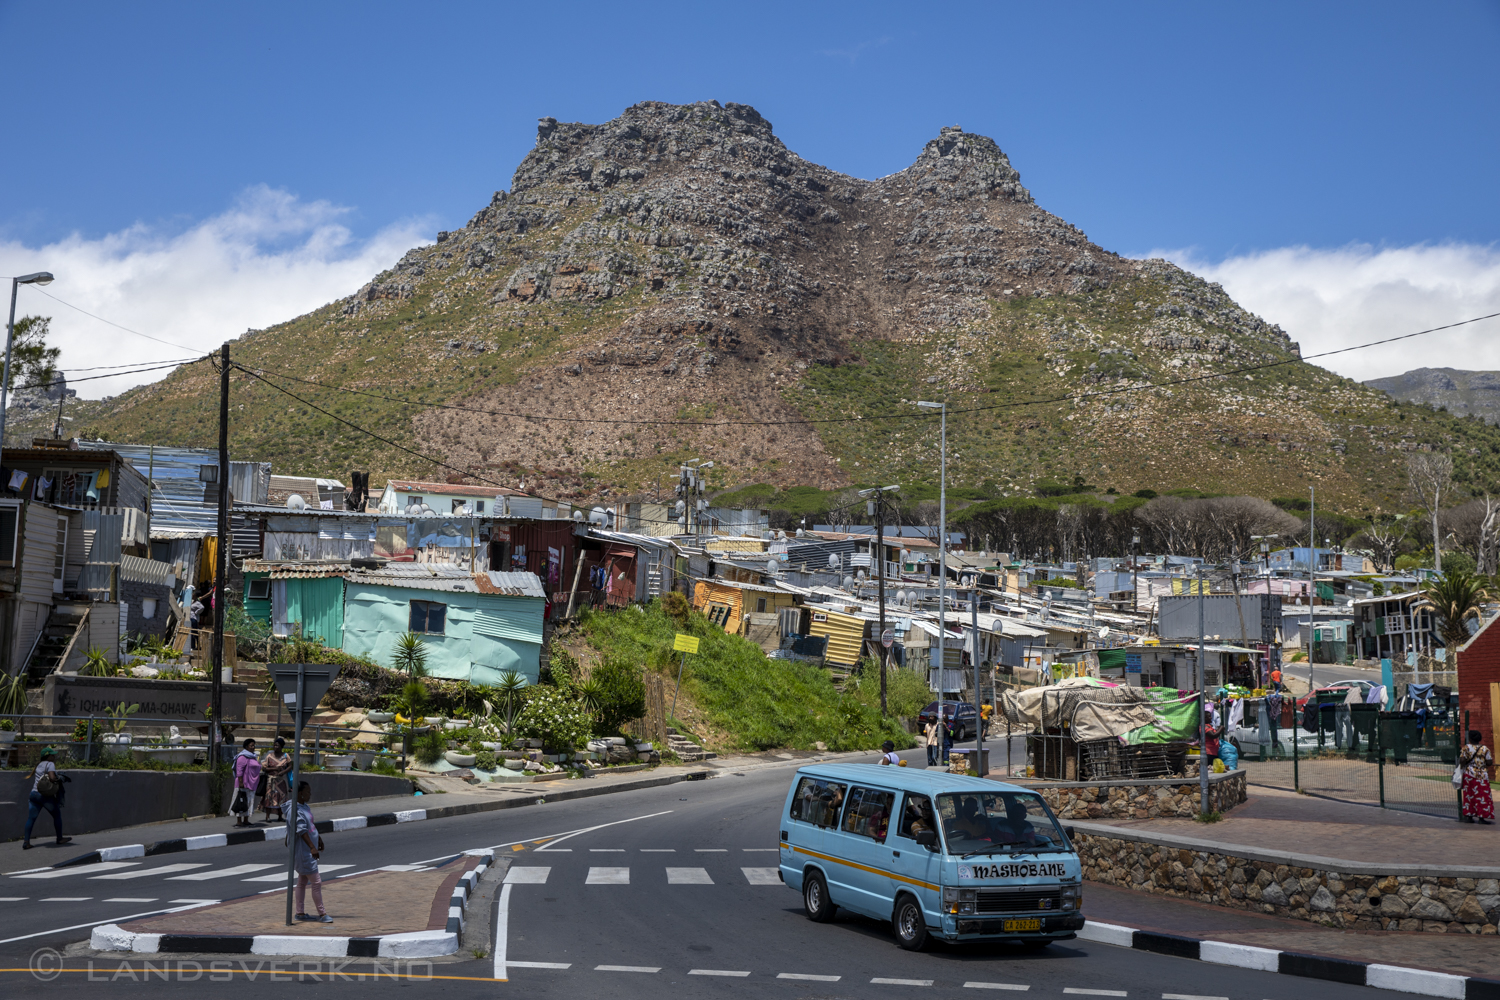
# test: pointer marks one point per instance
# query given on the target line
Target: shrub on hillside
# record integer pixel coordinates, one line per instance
(622, 694)
(554, 718)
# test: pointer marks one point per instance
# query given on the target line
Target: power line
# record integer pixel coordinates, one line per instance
(1070, 397)
(134, 364)
(112, 323)
(90, 378)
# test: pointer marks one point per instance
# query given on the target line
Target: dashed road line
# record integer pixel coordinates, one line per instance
(627, 968)
(539, 965)
(805, 976)
(102, 866)
(65, 899)
(996, 986)
(606, 850)
(1095, 993)
(143, 872)
(658, 850)
(608, 876)
(710, 850)
(717, 972)
(901, 982)
(1188, 996)
(133, 899)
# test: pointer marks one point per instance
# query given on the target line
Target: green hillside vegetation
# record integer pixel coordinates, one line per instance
(748, 702)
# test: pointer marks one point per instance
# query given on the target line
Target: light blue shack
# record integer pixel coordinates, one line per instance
(475, 625)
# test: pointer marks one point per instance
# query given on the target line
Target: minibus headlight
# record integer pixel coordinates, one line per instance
(959, 900)
(1072, 897)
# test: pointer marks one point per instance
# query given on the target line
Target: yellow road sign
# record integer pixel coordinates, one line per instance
(685, 643)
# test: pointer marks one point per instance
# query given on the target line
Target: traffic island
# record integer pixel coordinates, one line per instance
(375, 914)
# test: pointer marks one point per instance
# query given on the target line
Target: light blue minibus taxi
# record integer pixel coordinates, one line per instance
(937, 854)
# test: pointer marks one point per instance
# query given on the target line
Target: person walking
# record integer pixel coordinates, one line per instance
(46, 793)
(246, 780)
(890, 758)
(931, 731)
(273, 771)
(947, 737)
(1476, 760)
(309, 849)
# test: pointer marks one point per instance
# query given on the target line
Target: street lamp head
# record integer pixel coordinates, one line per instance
(39, 278)
(930, 406)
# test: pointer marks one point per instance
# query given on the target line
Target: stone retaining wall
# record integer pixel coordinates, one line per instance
(1141, 799)
(1311, 891)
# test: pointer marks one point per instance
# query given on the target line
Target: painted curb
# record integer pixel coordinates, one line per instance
(411, 944)
(236, 837)
(1291, 963)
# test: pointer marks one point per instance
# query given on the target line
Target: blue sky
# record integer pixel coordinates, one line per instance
(1222, 134)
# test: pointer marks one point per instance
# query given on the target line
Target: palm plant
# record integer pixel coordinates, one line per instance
(97, 663)
(13, 694)
(591, 695)
(1454, 597)
(413, 699)
(509, 688)
(410, 656)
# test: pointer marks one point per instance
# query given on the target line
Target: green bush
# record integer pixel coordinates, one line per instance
(429, 746)
(486, 761)
(906, 691)
(622, 694)
(384, 765)
(554, 718)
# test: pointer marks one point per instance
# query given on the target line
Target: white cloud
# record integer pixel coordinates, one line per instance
(268, 258)
(1328, 299)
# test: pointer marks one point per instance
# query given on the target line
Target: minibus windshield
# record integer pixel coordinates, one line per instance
(998, 823)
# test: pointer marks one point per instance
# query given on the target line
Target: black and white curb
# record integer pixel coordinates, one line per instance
(124, 852)
(413, 944)
(1290, 963)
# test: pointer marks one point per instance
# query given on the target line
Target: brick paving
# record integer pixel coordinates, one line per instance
(1274, 819)
(1459, 954)
(361, 906)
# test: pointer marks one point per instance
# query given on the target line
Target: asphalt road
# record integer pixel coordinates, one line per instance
(637, 893)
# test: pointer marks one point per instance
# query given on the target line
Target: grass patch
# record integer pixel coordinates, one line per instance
(759, 703)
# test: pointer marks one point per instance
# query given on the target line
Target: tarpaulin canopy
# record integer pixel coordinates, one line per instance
(1059, 701)
(1095, 721)
(1176, 717)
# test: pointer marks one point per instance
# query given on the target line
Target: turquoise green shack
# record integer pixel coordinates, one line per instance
(476, 625)
(307, 596)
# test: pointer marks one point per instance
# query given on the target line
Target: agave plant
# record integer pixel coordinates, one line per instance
(410, 656)
(508, 692)
(97, 663)
(591, 695)
(13, 694)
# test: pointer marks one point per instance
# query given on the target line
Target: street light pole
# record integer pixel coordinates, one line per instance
(1202, 705)
(1135, 560)
(39, 278)
(875, 507)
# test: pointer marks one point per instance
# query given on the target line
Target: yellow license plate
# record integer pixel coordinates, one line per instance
(1029, 924)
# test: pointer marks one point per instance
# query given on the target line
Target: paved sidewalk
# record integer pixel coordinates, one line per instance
(1458, 954)
(1279, 820)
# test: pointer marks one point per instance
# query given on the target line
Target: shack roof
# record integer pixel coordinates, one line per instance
(454, 489)
(449, 578)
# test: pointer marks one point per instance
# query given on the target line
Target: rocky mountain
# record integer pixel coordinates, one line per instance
(676, 284)
(1459, 392)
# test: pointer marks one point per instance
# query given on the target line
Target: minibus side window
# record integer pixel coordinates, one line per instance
(818, 801)
(916, 816)
(868, 813)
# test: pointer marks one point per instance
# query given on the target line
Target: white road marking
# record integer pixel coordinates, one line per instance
(606, 850)
(688, 876)
(717, 972)
(527, 876)
(13, 899)
(591, 829)
(762, 876)
(902, 982)
(658, 850)
(814, 979)
(995, 986)
(64, 899)
(1188, 996)
(196, 902)
(760, 850)
(105, 920)
(220, 873)
(164, 869)
(284, 876)
(400, 868)
(710, 850)
(608, 876)
(133, 899)
(540, 965)
(1096, 993)
(627, 968)
(502, 925)
(101, 866)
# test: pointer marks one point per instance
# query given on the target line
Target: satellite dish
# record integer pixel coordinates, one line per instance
(1104, 631)
(295, 502)
(801, 533)
(901, 597)
(680, 506)
(597, 515)
(426, 509)
(860, 574)
(578, 515)
(834, 562)
(771, 565)
(848, 583)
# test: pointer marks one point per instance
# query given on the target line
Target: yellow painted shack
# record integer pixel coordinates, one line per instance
(725, 602)
(845, 632)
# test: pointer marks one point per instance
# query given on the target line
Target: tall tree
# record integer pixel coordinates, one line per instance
(32, 362)
(1430, 474)
(1384, 533)
(1455, 597)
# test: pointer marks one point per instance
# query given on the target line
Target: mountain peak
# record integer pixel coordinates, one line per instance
(959, 165)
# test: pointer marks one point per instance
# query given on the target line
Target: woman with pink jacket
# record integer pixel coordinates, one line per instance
(246, 777)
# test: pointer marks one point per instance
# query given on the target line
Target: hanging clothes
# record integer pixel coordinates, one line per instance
(18, 480)
(1236, 713)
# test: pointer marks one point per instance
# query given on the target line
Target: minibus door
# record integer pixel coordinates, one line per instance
(914, 866)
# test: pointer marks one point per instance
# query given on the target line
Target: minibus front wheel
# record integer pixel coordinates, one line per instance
(815, 898)
(911, 925)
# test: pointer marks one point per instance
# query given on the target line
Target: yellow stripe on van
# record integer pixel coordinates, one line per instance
(863, 868)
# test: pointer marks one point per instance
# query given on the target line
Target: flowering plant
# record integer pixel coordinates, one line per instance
(554, 718)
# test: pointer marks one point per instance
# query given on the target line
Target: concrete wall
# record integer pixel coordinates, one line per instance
(97, 799)
(132, 593)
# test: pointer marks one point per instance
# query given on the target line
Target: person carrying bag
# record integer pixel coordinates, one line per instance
(46, 793)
